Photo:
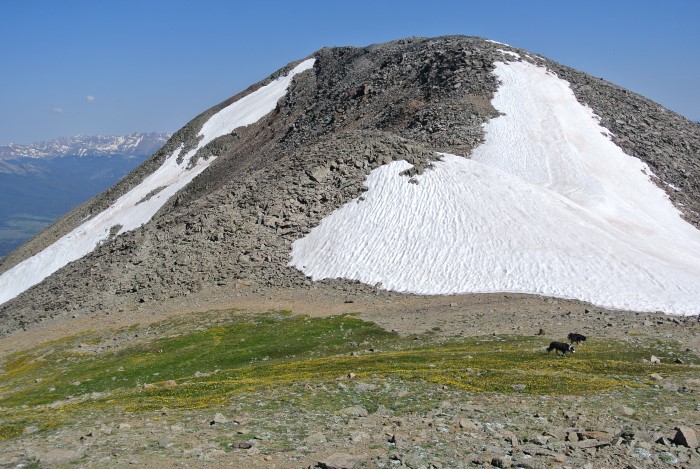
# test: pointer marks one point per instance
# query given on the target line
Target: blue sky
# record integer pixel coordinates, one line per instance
(115, 67)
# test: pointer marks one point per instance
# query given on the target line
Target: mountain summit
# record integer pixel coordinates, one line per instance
(429, 166)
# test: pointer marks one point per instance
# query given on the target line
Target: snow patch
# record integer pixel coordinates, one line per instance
(136, 208)
(547, 205)
(251, 108)
(496, 42)
(508, 52)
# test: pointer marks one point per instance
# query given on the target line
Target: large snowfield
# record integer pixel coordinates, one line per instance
(547, 205)
(135, 208)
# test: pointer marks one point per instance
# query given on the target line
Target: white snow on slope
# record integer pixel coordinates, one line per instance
(508, 52)
(496, 42)
(547, 205)
(132, 209)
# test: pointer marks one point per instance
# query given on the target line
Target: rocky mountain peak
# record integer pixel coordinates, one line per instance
(262, 186)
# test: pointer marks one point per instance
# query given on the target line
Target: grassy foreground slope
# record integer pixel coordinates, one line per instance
(277, 363)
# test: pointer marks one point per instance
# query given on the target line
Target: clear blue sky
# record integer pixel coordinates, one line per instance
(114, 67)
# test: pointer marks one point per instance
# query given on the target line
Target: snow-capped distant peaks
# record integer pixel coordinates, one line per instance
(136, 144)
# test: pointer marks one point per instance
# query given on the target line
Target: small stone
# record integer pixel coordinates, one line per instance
(501, 461)
(359, 437)
(656, 377)
(244, 445)
(342, 461)
(591, 443)
(654, 360)
(354, 411)
(685, 436)
(468, 425)
(558, 433)
(414, 461)
(628, 411)
(383, 411)
(510, 438)
(218, 418)
(595, 435)
(527, 462)
(124, 426)
(538, 440)
(315, 439)
(171, 383)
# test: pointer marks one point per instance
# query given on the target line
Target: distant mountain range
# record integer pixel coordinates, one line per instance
(42, 181)
(88, 145)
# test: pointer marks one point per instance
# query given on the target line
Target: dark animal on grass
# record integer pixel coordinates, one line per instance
(560, 347)
(575, 338)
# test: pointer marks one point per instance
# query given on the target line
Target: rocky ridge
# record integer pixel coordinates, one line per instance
(359, 108)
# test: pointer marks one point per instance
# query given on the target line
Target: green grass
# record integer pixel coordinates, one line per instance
(231, 355)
